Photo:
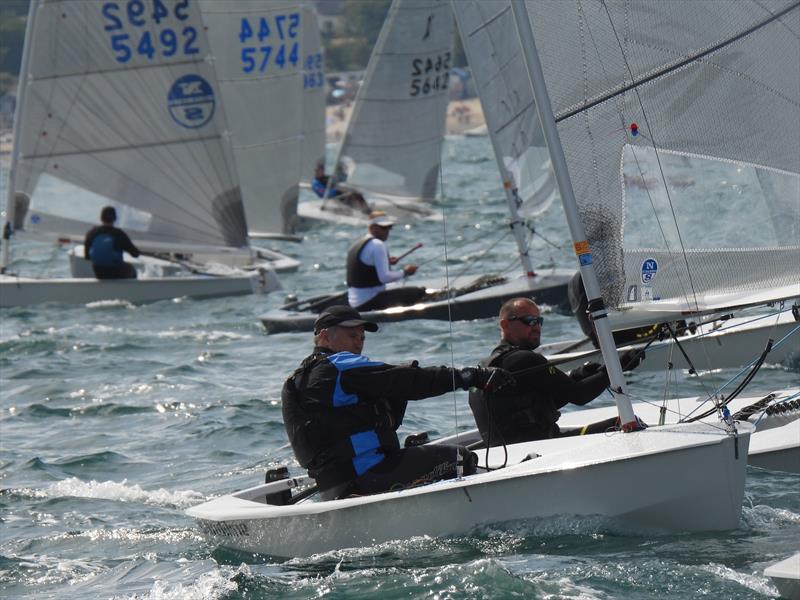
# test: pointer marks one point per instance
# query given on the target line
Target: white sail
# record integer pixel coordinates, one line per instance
(714, 85)
(394, 139)
(260, 55)
(495, 59)
(313, 94)
(122, 107)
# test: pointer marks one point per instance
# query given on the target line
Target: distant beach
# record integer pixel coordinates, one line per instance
(462, 116)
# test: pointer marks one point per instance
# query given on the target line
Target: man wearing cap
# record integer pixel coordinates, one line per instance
(368, 270)
(529, 410)
(104, 245)
(341, 411)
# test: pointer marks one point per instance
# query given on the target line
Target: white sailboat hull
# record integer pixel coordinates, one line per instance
(546, 287)
(786, 577)
(774, 445)
(733, 344)
(264, 259)
(678, 478)
(23, 291)
(310, 212)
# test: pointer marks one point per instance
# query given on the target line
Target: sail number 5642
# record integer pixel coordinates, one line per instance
(430, 74)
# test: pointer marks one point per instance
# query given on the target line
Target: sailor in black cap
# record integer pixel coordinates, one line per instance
(104, 245)
(341, 411)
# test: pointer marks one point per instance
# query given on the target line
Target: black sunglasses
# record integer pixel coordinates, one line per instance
(529, 320)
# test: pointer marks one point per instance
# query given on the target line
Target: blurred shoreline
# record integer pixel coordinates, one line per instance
(462, 116)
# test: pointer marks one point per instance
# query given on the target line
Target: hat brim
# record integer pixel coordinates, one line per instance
(368, 325)
(384, 223)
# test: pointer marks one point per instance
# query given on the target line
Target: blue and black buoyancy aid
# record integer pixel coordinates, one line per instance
(336, 436)
(103, 251)
(360, 274)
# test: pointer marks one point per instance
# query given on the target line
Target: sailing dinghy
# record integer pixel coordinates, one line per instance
(687, 476)
(122, 107)
(391, 152)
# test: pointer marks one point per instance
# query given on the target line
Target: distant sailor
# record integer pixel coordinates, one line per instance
(320, 184)
(368, 270)
(104, 246)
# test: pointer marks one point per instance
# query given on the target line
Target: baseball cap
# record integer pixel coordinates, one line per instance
(381, 219)
(343, 316)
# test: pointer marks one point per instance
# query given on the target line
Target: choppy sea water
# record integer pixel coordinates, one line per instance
(116, 418)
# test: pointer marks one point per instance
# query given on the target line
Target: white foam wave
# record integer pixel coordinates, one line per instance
(758, 584)
(209, 586)
(768, 518)
(121, 491)
(110, 304)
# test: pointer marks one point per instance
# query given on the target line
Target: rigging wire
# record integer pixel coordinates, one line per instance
(459, 459)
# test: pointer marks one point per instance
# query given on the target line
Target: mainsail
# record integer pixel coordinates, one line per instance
(715, 83)
(122, 106)
(495, 59)
(261, 60)
(394, 139)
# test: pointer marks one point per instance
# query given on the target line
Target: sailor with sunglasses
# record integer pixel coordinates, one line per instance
(529, 410)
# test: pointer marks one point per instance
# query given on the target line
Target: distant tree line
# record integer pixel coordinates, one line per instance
(12, 35)
(348, 50)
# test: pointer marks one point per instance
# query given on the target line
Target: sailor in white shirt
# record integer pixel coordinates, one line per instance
(368, 270)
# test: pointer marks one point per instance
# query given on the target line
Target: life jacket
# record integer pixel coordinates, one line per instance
(103, 251)
(516, 415)
(334, 435)
(359, 274)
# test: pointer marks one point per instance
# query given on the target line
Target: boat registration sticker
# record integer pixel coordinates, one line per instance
(191, 101)
(585, 259)
(649, 270)
(581, 247)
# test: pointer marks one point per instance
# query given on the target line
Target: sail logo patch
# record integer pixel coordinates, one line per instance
(649, 270)
(191, 101)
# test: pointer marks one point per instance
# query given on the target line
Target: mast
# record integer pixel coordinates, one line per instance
(22, 87)
(597, 307)
(514, 202)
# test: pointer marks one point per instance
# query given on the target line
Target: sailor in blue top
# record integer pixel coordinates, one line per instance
(341, 411)
(352, 199)
(104, 245)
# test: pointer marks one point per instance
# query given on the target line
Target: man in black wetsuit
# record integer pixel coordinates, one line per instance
(104, 245)
(530, 409)
(341, 411)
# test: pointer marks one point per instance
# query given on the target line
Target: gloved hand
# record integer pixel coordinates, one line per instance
(585, 370)
(479, 377)
(630, 359)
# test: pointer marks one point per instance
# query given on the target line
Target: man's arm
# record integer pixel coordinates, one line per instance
(399, 382)
(127, 244)
(378, 257)
(533, 372)
(87, 242)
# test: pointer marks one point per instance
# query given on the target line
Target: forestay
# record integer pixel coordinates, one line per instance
(122, 104)
(261, 59)
(393, 142)
(709, 87)
(498, 69)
